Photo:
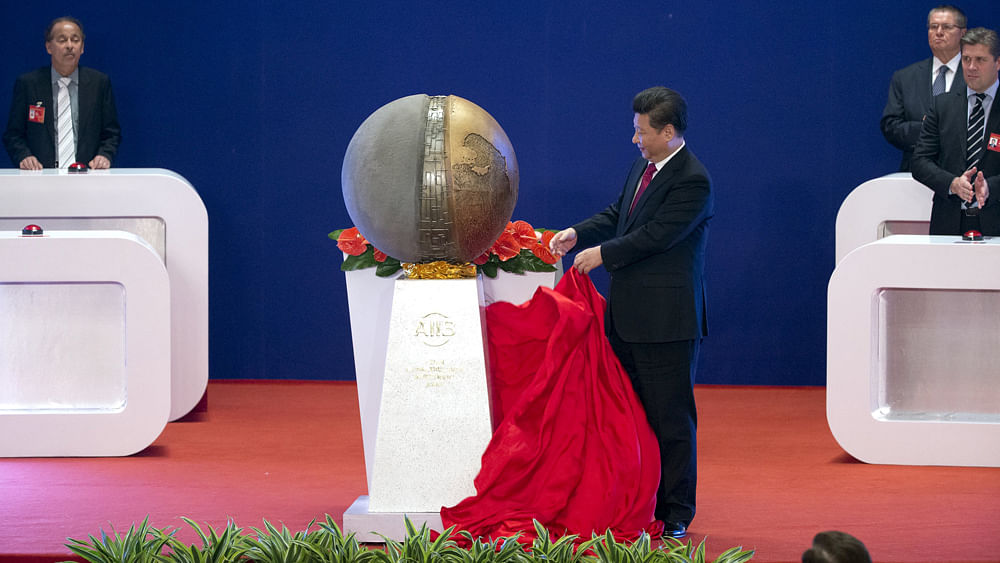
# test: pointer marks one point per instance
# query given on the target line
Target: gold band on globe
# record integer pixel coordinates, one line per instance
(439, 270)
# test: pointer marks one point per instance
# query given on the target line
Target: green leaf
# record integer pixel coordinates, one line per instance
(734, 555)
(87, 553)
(197, 529)
(489, 269)
(410, 530)
(387, 268)
(533, 263)
(515, 265)
(365, 260)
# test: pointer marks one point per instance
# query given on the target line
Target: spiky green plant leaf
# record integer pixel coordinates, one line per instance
(138, 545)
(735, 555)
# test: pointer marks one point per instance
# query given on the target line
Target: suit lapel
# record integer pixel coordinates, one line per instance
(962, 124)
(659, 182)
(631, 185)
(958, 84)
(992, 126)
(927, 91)
(993, 121)
(85, 97)
(45, 96)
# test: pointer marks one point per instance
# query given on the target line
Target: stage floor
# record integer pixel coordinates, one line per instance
(770, 477)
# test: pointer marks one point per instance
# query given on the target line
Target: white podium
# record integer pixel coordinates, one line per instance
(892, 204)
(84, 344)
(156, 205)
(370, 299)
(911, 331)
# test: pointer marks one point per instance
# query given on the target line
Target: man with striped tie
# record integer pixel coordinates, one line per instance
(63, 113)
(958, 155)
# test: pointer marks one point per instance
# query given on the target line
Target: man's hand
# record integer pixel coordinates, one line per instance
(563, 242)
(588, 259)
(100, 162)
(962, 185)
(30, 163)
(982, 189)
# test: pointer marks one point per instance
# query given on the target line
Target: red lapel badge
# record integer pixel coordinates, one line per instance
(994, 144)
(36, 113)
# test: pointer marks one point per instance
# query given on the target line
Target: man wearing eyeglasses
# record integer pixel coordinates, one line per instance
(913, 88)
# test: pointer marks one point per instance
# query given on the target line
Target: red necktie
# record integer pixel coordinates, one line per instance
(646, 177)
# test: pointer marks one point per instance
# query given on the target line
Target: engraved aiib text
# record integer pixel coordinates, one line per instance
(434, 329)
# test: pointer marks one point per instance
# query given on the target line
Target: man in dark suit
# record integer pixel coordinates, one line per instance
(652, 242)
(31, 135)
(958, 155)
(913, 88)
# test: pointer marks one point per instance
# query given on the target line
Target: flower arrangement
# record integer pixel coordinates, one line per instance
(519, 249)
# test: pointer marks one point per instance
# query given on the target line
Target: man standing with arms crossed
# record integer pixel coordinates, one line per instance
(958, 155)
(913, 88)
(652, 242)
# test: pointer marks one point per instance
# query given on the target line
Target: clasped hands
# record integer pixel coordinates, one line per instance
(585, 261)
(971, 183)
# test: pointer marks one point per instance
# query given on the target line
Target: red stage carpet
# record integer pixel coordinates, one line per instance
(770, 473)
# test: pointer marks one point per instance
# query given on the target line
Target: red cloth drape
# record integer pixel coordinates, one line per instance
(571, 446)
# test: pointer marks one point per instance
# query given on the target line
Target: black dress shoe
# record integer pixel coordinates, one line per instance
(674, 529)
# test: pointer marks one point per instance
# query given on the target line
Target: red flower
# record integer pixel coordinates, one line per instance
(525, 234)
(352, 242)
(543, 253)
(547, 238)
(506, 247)
(483, 258)
(379, 255)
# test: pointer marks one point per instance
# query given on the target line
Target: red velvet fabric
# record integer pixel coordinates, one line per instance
(571, 446)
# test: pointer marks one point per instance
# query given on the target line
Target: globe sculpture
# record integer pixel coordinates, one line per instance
(430, 178)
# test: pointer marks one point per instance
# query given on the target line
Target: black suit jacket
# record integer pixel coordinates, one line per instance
(656, 255)
(98, 131)
(910, 97)
(940, 157)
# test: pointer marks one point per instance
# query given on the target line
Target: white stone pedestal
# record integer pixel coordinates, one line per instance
(434, 418)
(435, 403)
(371, 301)
(369, 527)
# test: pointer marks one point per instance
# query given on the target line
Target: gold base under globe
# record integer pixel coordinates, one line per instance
(439, 271)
